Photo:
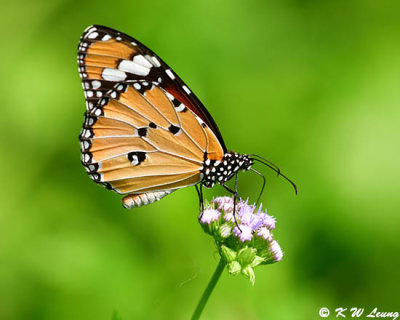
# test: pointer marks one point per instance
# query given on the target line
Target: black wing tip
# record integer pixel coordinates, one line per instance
(98, 26)
(106, 29)
(113, 32)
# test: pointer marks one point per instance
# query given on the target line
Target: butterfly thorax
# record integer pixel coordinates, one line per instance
(221, 171)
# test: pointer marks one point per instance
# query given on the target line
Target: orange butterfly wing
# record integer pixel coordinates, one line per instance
(137, 137)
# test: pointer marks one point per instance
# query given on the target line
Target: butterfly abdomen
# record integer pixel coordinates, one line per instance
(138, 200)
(221, 171)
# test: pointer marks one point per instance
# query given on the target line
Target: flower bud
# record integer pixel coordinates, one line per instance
(257, 261)
(246, 255)
(225, 230)
(234, 268)
(249, 273)
(228, 254)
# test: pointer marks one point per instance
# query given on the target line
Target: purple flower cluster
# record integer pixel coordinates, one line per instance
(252, 222)
(249, 229)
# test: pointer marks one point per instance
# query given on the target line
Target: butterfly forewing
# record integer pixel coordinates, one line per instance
(108, 56)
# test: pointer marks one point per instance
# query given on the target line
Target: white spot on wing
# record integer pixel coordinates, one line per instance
(199, 120)
(180, 108)
(154, 61)
(93, 35)
(113, 74)
(106, 37)
(132, 67)
(170, 74)
(170, 96)
(186, 89)
(135, 160)
(139, 59)
(90, 29)
(96, 84)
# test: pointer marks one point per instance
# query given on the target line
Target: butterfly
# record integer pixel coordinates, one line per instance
(145, 134)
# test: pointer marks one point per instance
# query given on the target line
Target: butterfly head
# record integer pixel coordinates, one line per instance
(221, 171)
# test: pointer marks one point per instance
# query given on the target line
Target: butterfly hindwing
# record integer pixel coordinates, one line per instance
(138, 142)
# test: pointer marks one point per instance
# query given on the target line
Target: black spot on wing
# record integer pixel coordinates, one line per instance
(136, 157)
(176, 102)
(174, 129)
(142, 132)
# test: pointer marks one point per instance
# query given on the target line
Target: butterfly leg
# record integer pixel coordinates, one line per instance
(235, 196)
(199, 190)
(263, 185)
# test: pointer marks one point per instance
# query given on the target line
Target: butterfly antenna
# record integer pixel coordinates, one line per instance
(277, 169)
(263, 185)
(267, 163)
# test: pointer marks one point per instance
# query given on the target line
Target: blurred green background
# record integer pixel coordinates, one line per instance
(311, 85)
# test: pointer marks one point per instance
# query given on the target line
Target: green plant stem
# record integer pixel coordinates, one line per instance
(210, 287)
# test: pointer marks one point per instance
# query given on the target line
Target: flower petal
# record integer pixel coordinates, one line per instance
(243, 232)
(209, 215)
(276, 250)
